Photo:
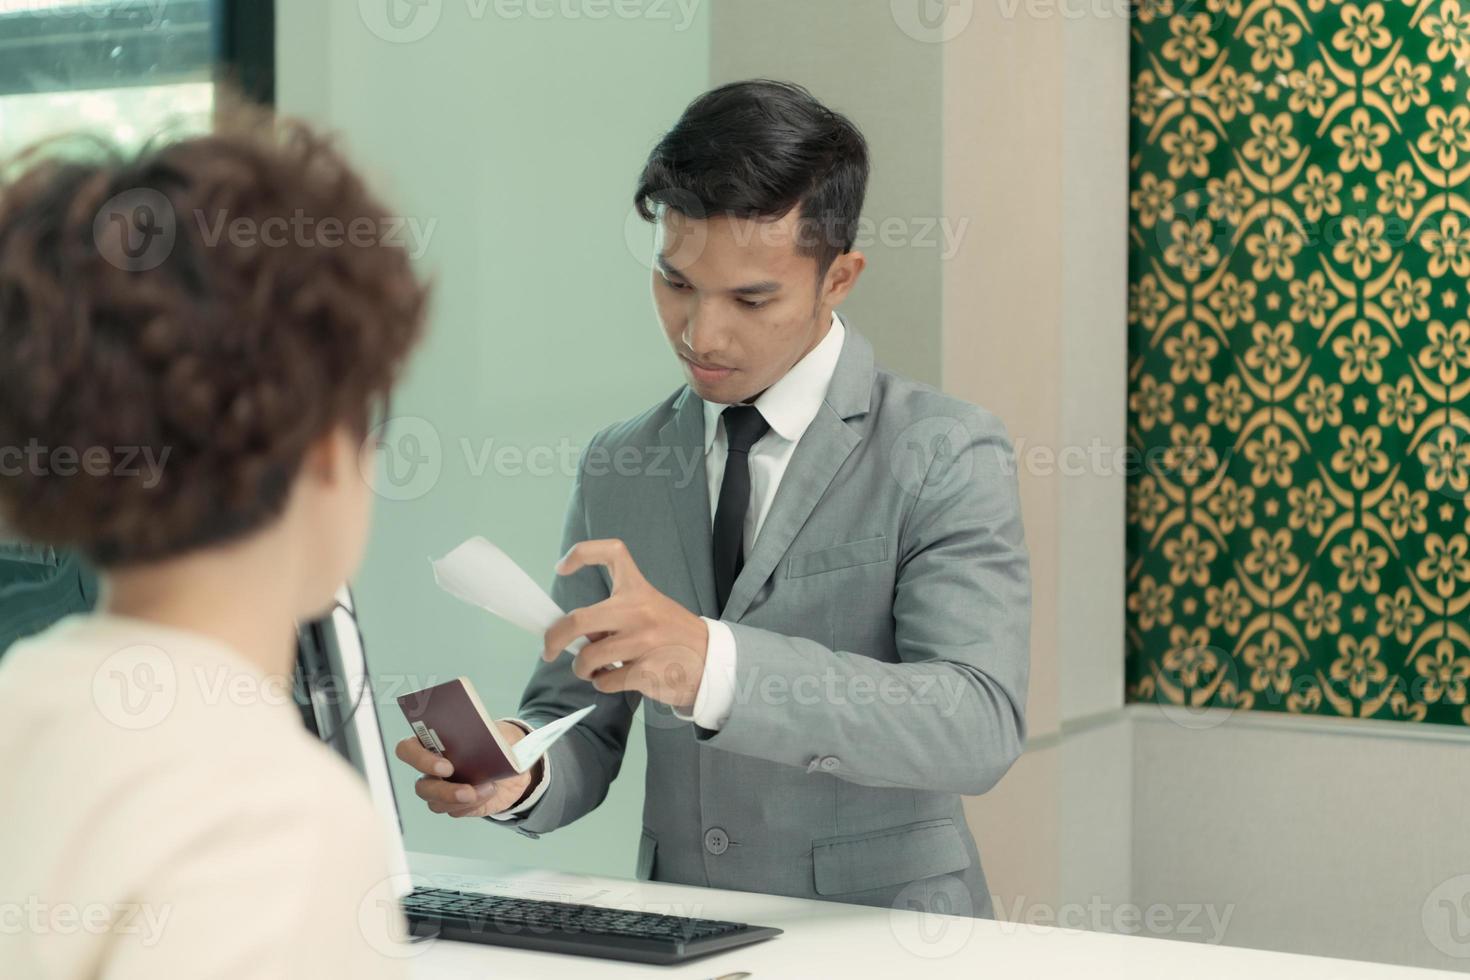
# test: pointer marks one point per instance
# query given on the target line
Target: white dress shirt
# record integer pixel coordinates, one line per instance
(788, 406)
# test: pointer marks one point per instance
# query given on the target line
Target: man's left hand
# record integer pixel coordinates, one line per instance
(661, 645)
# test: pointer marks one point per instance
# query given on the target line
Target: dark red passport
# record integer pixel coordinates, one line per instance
(449, 720)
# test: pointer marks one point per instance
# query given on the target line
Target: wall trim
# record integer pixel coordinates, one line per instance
(1305, 724)
(1076, 726)
(1210, 718)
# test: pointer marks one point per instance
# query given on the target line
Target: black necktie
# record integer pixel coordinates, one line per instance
(744, 425)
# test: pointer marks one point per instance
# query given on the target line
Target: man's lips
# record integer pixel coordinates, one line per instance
(708, 373)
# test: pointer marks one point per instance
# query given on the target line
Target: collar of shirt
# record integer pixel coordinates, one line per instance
(791, 403)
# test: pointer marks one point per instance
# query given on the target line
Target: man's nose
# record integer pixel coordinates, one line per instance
(704, 331)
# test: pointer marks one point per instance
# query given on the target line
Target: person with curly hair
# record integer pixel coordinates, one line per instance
(191, 413)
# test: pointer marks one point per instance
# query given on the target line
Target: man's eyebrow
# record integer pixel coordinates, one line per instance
(762, 288)
(758, 288)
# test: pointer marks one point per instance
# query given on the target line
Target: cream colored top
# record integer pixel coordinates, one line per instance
(164, 813)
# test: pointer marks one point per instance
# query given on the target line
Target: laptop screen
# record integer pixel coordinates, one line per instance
(335, 695)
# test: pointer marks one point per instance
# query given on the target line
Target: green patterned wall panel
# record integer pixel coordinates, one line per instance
(1299, 358)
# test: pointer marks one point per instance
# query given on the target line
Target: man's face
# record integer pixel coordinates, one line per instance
(738, 303)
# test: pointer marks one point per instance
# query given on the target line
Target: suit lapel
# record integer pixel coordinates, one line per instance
(684, 434)
(820, 454)
(823, 448)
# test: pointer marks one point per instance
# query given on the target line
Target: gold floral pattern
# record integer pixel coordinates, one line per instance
(1299, 337)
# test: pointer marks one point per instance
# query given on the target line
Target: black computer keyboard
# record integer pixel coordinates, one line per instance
(582, 930)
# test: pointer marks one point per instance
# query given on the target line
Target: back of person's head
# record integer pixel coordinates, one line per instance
(182, 328)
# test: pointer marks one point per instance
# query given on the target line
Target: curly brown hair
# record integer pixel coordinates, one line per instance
(137, 323)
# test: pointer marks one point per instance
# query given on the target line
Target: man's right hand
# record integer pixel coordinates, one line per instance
(462, 799)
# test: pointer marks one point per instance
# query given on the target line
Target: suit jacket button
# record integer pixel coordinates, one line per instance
(716, 841)
(830, 763)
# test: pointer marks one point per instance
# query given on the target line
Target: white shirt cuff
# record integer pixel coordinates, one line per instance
(536, 793)
(716, 697)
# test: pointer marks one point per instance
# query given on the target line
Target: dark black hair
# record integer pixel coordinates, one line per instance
(756, 149)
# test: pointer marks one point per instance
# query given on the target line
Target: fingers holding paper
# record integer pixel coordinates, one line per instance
(639, 639)
(670, 675)
(610, 553)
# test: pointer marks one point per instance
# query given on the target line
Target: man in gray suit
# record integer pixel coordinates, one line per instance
(809, 572)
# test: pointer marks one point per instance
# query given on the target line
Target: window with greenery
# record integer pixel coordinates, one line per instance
(125, 69)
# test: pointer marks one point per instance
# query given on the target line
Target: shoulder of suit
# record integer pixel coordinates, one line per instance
(641, 429)
(903, 402)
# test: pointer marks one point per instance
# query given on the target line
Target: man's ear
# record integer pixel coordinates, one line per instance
(846, 269)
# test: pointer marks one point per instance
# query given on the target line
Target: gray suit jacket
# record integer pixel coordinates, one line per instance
(881, 623)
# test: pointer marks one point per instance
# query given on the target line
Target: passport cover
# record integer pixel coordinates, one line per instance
(449, 720)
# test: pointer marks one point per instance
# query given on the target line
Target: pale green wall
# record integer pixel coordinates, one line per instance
(519, 140)
(856, 59)
(522, 139)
